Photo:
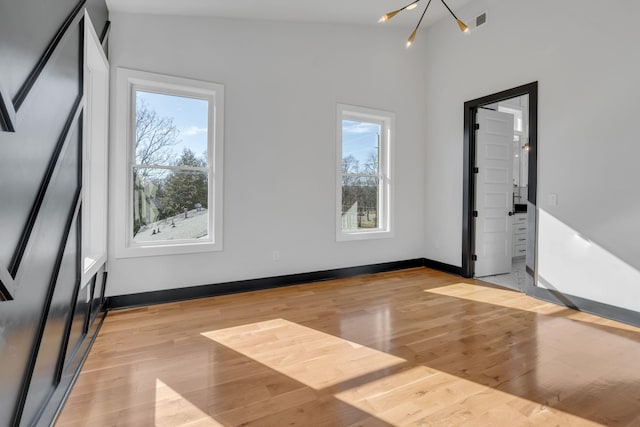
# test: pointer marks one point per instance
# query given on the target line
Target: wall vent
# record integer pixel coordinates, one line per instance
(481, 19)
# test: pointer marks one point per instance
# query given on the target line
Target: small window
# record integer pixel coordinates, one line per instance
(173, 160)
(364, 173)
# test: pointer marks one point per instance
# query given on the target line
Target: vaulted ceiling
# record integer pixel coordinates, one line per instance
(325, 11)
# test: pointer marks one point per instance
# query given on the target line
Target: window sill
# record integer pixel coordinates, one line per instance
(343, 236)
(92, 264)
(139, 251)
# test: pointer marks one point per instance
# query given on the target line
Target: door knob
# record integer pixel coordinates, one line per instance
(510, 213)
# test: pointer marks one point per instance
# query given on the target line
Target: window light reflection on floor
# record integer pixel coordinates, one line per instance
(422, 396)
(500, 297)
(172, 409)
(415, 395)
(310, 357)
(512, 299)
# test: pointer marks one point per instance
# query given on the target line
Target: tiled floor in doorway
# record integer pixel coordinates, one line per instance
(516, 279)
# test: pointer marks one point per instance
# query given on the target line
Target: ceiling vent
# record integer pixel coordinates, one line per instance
(481, 19)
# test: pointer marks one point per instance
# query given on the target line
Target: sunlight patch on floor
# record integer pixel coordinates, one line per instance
(519, 301)
(310, 357)
(172, 409)
(503, 298)
(418, 396)
(422, 396)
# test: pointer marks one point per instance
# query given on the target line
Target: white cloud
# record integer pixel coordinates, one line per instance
(359, 127)
(193, 130)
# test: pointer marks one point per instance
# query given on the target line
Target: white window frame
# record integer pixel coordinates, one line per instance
(128, 82)
(94, 153)
(386, 119)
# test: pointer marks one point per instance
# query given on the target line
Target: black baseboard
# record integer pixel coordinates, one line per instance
(202, 291)
(607, 311)
(437, 265)
(182, 294)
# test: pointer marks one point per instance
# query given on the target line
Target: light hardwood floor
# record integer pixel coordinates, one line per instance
(415, 347)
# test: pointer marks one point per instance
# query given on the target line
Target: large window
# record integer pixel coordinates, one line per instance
(364, 173)
(173, 157)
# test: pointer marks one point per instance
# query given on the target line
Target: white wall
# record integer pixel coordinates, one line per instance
(585, 58)
(282, 84)
(582, 267)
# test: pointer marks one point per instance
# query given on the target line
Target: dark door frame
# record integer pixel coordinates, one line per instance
(469, 177)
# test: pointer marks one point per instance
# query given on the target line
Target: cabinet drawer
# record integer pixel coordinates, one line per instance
(519, 229)
(519, 219)
(519, 250)
(519, 239)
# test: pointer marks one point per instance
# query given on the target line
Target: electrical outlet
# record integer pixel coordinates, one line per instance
(276, 255)
(553, 199)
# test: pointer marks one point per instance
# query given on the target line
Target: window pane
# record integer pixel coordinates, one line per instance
(169, 205)
(517, 117)
(360, 146)
(359, 202)
(168, 127)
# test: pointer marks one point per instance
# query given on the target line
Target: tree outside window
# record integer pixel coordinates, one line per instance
(364, 146)
(170, 174)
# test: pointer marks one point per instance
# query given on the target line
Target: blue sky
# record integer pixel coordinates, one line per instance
(190, 116)
(359, 139)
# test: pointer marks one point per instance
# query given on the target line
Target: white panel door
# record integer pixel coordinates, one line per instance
(494, 192)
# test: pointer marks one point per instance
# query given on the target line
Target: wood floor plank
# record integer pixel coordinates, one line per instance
(415, 347)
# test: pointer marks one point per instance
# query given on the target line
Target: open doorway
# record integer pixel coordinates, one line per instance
(500, 184)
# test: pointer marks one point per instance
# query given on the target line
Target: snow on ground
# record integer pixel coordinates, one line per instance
(176, 228)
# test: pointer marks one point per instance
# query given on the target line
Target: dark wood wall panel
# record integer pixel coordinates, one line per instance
(79, 321)
(97, 297)
(73, 362)
(22, 317)
(28, 153)
(41, 60)
(7, 113)
(27, 27)
(46, 370)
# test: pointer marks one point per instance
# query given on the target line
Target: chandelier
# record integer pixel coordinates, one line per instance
(413, 5)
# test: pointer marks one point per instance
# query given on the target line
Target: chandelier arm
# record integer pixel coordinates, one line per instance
(423, 13)
(449, 9)
(413, 34)
(413, 2)
(463, 27)
(387, 16)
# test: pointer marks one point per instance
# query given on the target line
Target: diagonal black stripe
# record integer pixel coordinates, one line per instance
(45, 310)
(5, 295)
(105, 32)
(37, 204)
(42, 62)
(74, 301)
(5, 118)
(7, 285)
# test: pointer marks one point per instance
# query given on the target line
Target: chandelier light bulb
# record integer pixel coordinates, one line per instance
(412, 37)
(389, 15)
(463, 27)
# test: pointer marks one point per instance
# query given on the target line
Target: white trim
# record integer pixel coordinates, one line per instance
(128, 81)
(95, 153)
(385, 168)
